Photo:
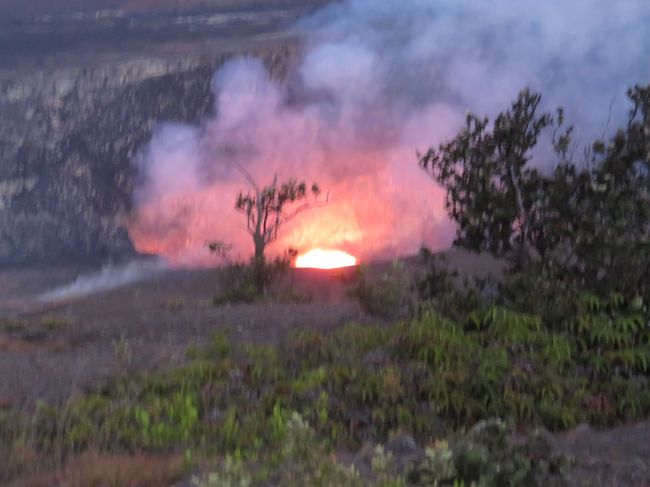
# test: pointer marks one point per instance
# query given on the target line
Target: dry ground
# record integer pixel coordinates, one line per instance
(51, 350)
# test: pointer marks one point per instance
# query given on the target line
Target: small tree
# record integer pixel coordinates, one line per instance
(589, 223)
(606, 212)
(268, 208)
(491, 192)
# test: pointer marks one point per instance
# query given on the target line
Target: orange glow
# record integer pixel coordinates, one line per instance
(325, 259)
(177, 224)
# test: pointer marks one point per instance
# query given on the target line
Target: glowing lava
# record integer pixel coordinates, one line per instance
(325, 259)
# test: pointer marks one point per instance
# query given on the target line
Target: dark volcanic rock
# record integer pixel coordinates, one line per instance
(69, 129)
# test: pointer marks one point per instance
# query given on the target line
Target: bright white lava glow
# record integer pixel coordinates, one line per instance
(325, 259)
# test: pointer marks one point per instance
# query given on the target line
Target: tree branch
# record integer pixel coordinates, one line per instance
(303, 207)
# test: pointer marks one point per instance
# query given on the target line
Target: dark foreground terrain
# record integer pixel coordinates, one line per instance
(52, 350)
(54, 347)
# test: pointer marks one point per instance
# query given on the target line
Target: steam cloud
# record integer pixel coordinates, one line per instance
(380, 79)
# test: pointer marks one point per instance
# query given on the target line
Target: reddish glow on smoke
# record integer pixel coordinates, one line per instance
(380, 204)
(367, 215)
(325, 259)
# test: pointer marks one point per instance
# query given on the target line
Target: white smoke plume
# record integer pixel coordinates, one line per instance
(380, 79)
(108, 278)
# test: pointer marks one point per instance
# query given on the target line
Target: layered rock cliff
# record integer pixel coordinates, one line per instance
(69, 129)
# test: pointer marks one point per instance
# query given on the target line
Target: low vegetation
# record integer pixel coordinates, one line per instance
(428, 377)
(13, 326)
(53, 323)
(386, 295)
(247, 283)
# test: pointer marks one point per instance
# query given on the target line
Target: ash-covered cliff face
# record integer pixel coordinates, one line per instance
(68, 137)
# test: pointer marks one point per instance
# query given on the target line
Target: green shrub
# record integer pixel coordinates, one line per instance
(232, 473)
(301, 459)
(239, 286)
(175, 304)
(166, 423)
(246, 283)
(387, 295)
(53, 323)
(13, 326)
(486, 456)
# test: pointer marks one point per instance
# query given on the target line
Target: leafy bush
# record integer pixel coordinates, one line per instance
(439, 289)
(13, 326)
(485, 456)
(239, 285)
(387, 295)
(52, 323)
(175, 304)
(232, 473)
(586, 225)
(246, 283)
